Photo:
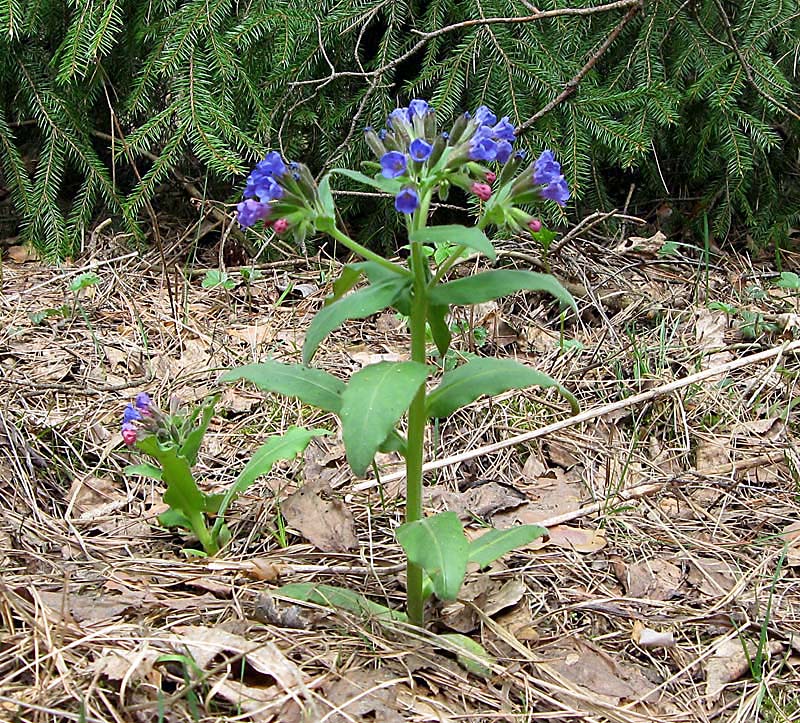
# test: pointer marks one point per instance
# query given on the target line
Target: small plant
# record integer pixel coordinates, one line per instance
(415, 162)
(215, 278)
(173, 440)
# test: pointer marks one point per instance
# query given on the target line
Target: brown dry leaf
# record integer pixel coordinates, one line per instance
(238, 400)
(578, 539)
(654, 579)
(254, 335)
(711, 328)
(711, 454)
(326, 524)
(22, 254)
(281, 675)
(365, 358)
(323, 460)
(791, 534)
(95, 608)
(562, 454)
(498, 331)
(533, 468)
(519, 623)
(759, 431)
(363, 695)
(728, 663)
(92, 496)
(648, 638)
(553, 495)
(646, 246)
(587, 666)
(487, 595)
(712, 577)
(483, 499)
(119, 665)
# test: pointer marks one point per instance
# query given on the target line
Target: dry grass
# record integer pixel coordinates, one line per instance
(102, 619)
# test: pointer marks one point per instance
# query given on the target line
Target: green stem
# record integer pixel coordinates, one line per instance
(363, 251)
(417, 418)
(199, 528)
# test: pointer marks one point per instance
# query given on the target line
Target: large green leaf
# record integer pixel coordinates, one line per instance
(389, 185)
(375, 398)
(486, 376)
(492, 545)
(312, 386)
(338, 597)
(145, 469)
(358, 305)
(438, 545)
(494, 284)
(471, 237)
(470, 654)
(191, 444)
(182, 493)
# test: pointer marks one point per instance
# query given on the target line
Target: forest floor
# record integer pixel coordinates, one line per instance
(668, 590)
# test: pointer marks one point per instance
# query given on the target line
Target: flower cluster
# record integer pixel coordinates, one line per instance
(136, 412)
(283, 195)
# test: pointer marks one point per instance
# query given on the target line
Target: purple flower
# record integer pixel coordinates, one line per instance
(393, 164)
(250, 211)
(130, 414)
(482, 147)
(407, 200)
(268, 189)
(418, 107)
(419, 150)
(504, 131)
(142, 403)
(484, 116)
(272, 165)
(546, 168)
(557, 190)
(504, 151)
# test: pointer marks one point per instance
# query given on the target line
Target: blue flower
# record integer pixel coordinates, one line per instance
(556, 190)
(546, 168)
(268, 189)
(482, 147)
(131, 414)
(250, 211)
(419, 150)
(504, 131)
(504, 151)
(407, 200)
(393, 164)
(272, 165)
(418, 107)
(142, 402)
(484, 116)
(399, 116)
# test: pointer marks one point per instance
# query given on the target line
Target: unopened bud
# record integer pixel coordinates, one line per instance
(481, 190)
(281, 225)
(374, 142)
(491, 177)
(535, 225)
(458, 128)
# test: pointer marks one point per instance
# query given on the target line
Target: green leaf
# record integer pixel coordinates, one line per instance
(359, 305)
(182, 492)
(174, 518)
(492, 545)
(395, 442)
(191, 444)
(469, 654)
(312, 386)
(389, 185)
(442, 336)
(494, 284)
(342, 598)
(487, 376)
(471, 237)
(286, 446)
(375, 398)
(346, 281)
(325, 195)
(789, 280)
(143, 470)
(438, 545)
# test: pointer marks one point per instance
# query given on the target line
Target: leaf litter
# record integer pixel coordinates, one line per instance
(620, 615)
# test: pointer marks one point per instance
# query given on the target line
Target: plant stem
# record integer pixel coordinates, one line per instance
(416, 418)
(199, 528)
(363, 251)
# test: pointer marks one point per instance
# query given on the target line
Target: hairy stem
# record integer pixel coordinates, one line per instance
(363, 251)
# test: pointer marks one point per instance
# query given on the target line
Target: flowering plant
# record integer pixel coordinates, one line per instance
(173, 440)
(415, 163)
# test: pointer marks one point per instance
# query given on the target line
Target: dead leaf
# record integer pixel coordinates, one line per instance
(646, 246)
(22, 254)
(363, 695)
(713, 453)
(587, 666)
(94, 608)
(728, 663)
(326, 524)
(648, 638)
(711, 330)
(791, 535)
(238, 400)
(654, 579)
(483, 499)
(579, 539)
(120, 665)
(714, 578)
(254, 335)
(551, 496)
(365, 358)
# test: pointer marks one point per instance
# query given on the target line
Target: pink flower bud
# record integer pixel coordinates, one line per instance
(481, 190)
(535, 225)
(281, 225)
(129, 433)
(491, 177)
